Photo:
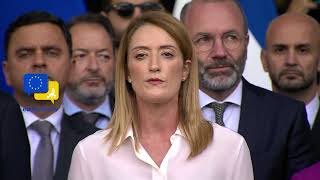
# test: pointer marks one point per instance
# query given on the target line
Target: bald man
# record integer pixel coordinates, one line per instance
(291, 58)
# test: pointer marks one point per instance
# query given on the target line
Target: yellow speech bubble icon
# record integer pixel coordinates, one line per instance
(52, 94)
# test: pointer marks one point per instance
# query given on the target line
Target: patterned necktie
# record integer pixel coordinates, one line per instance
(219, 109)
(43, 161)
(90, 118)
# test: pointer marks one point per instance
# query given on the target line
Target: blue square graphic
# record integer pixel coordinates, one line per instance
(35, 83)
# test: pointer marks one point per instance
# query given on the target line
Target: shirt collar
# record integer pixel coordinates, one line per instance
(54, 119)
(71, 108)
(130, 136)
(234, 98)
(312, 109)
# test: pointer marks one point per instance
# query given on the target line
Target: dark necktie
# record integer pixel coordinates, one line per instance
(43, 161)
(90, 118)
(219, 109)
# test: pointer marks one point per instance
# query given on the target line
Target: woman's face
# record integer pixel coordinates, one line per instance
(155, 65)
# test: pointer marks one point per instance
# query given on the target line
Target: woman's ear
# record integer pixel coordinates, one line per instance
(186, 69)
(129, 79)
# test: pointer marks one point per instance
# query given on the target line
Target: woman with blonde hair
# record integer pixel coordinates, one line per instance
(157, 130)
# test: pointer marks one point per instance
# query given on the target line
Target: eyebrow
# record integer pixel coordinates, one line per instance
(148, 48)
(279, 45)
(88, 50)
(303, 45)
(51, 47)
(295, 45)
(202, 34)
(24, 49)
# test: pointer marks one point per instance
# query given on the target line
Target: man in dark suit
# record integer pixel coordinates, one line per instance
(274, 126)
(291, 57)
(14, 144)
(39, 43)
(89, 90)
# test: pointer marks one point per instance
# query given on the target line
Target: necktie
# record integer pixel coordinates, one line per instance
(43, 162)
(219, 109)
(91, 118)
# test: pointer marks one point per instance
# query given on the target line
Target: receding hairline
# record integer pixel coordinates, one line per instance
(293, 17)
(186, 8)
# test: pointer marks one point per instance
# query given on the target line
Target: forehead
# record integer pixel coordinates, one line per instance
(214, 17)
(134, 1)
(89, 29)
(89, 34)
(40, 34)
(151, 36)
(292, 32)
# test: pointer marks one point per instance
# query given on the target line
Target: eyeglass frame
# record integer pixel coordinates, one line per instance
(116, 6)
(241, 38)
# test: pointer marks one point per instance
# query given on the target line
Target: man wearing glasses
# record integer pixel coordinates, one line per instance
(274, 126)
(122, 12)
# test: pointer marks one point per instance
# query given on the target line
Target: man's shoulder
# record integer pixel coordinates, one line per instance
(266, 96)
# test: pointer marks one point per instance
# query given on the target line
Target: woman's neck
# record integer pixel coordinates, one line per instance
(157, 118)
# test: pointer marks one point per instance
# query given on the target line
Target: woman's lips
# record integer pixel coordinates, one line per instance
(155, 81)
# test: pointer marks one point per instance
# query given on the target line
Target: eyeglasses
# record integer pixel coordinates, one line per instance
(126, 10)
(205, 41)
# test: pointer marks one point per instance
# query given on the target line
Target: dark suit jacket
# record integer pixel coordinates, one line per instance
(14, 144)
(72, 131)
(112, 100)
(277, 133)
(315, 136)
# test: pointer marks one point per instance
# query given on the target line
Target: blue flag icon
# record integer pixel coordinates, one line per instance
(35, 83)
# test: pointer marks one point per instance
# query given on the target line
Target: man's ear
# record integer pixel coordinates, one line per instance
(247, 39)
(186, 69)
(5, 67)
(104, 14)
(263, 57)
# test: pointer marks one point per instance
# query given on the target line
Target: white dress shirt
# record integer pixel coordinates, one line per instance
(312, 109)
(34, 137)
(70, 109)
(231, 116)
(226, 158)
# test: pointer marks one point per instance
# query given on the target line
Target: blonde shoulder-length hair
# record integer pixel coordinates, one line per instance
(197, 131)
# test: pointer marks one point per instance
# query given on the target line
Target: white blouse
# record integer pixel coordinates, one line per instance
(226, 158)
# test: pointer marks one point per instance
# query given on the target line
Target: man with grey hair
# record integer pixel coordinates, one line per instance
(89, 92)
(274, 126)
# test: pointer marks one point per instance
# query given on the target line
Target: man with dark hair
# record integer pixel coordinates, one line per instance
(14, 144)
(291, 58)
(89, 91)
(274, 126)
(39, 43)
(122, 12)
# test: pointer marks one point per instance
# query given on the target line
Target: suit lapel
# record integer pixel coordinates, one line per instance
(250, 124)
(111, 101)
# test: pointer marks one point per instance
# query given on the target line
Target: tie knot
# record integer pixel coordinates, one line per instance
(43, 127)
(91, 118)
(219, 107)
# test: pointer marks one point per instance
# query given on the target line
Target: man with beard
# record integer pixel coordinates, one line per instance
(88, 95)
(274, 126)
(292, 57)
(39, 43)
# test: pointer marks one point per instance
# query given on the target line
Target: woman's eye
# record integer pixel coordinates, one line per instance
(140, 56)
(167, 54)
